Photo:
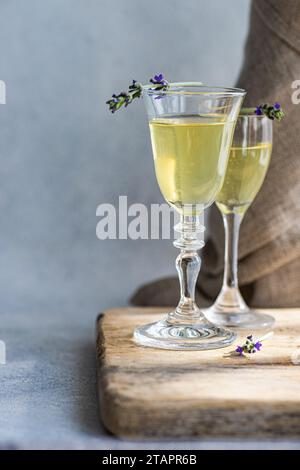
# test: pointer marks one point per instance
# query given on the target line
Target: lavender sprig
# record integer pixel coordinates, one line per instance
(125, 97)
(272, 112)
(135, 91)
(251, 345)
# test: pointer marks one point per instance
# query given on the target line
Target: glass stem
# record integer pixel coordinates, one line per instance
(232, 224)
(188, 265)
(230, 296)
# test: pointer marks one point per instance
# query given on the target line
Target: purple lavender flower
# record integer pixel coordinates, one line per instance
(239, 350)
(159, 80)
(258, 345)
(258, 111)
(160, 84)
(277, 106)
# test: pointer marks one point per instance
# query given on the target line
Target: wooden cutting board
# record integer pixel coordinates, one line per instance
(153, 393)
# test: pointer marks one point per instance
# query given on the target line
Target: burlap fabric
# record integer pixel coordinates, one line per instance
(269, 249)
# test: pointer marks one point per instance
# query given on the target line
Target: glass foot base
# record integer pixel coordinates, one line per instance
(197, 336)
(250, 319)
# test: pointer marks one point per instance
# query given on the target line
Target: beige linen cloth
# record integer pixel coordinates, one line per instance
(269, 248)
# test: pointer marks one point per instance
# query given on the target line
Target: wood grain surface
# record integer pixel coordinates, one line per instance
(153, 393)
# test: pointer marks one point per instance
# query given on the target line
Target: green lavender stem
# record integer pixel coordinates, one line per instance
(246, 111)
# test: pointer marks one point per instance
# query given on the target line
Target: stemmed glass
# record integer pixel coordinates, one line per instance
(248, 163)
(191, 129)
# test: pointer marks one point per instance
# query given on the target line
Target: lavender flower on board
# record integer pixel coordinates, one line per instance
(252, 345)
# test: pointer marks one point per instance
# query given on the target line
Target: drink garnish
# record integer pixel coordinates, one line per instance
(124, 98)
(252, 345)
(272, 112)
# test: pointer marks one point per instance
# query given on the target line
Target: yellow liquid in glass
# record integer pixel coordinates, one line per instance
(190, 156)
(245, 174)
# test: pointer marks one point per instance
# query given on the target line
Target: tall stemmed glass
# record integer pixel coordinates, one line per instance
(191, 128)
(248, 163)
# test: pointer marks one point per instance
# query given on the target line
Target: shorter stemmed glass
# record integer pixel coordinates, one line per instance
(248, 163)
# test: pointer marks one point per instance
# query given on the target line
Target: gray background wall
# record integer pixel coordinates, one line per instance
(62, 153)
